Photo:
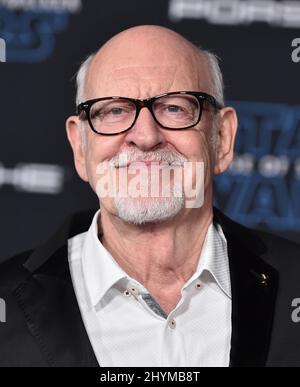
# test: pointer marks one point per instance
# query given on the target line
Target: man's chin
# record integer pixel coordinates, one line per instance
(148, 210)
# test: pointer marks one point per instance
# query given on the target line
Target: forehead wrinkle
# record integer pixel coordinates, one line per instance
(135, 81)
(130, 87)
(142, 72)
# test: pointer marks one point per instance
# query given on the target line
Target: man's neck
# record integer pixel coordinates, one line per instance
(160, 255)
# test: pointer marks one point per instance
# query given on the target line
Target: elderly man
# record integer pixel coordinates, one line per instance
(157, 277)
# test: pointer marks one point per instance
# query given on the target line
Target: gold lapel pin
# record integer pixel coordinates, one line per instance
(263, 278)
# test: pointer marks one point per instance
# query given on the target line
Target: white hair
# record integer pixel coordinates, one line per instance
(216, 77)
(80, 84)
(81, 78)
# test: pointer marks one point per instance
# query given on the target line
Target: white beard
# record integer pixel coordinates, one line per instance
(144, 210)
(140, 210)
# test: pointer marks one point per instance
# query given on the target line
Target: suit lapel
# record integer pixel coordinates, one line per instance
(49, 303)
(254, 288)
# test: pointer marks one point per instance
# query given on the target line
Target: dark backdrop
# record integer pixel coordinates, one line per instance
(45, 42)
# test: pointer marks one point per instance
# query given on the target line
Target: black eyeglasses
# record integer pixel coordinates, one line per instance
(174, 111)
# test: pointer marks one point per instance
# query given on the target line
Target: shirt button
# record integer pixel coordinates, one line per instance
(134, 290)
(198, 285)
(172, 324)
(127, 293)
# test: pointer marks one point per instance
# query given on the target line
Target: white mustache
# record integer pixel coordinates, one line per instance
(123, 159)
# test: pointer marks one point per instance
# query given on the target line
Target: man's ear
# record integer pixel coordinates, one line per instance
(73, 127)
(226, 131)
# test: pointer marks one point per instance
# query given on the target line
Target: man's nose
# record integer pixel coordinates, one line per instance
(146, 134)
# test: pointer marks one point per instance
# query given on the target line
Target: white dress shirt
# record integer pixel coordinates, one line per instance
(127, 327)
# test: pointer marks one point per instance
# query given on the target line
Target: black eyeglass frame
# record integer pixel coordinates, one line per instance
(148, 103)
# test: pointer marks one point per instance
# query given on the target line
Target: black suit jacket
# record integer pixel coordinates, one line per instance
(44, 325)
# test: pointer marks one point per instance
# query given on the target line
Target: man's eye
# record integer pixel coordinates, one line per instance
(174, 108)
(108, 112)
(115, 111)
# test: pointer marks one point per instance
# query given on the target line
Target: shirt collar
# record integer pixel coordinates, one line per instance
(101, 271)
(214, 258)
